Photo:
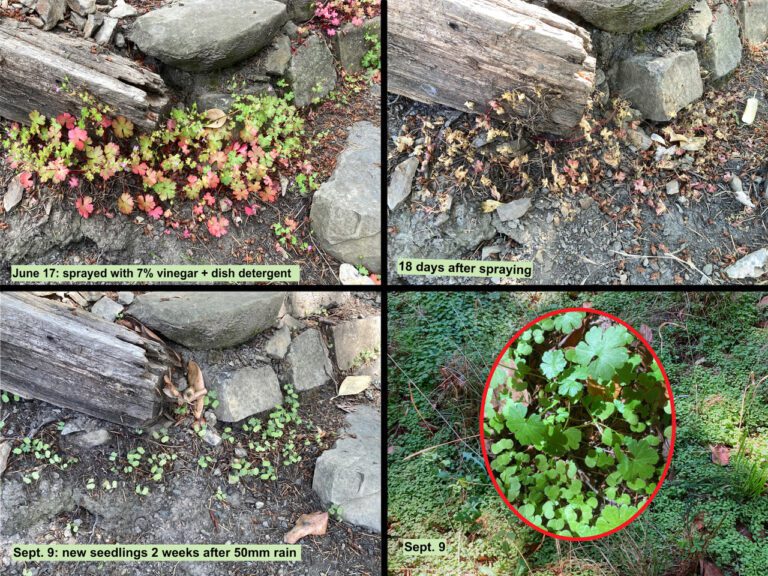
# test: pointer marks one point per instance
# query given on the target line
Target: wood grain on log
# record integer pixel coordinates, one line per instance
(35, 65)
(456, 51)
(71, 358)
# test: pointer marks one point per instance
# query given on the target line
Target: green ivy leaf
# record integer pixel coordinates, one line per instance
(552, 363)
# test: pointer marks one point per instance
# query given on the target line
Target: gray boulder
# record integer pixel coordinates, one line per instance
(349, 475)
(660, 87)
(308, 357)
(346, 210)
(350, 45)
(312, 72)
(722, 50)
(204, 35)
(450, 234)
(353, 339)
(208, 319)
(624, 16)
(753, 16)
(246, 392)
(303, 304)
(22, 507)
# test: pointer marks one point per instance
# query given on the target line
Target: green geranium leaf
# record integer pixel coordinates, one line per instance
(603, 350)
(552, 363)
(569, 321)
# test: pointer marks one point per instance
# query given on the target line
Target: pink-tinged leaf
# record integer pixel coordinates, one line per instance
(217, 226)
(66, 120)
(210, 200)
(197, 210)
(720, 454)
(78, 137)
(156, 212)
(187, 233)
(140, 169)
(84, 205)
(74, 182)
(146, 202)
(26, 180)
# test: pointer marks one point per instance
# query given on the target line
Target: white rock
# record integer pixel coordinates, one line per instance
(122, 10)
(673, 187)
(513, 210)
(401, 181)
(752, 265)
(349, 276)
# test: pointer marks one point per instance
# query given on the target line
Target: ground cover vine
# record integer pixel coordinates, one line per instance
(576, 419)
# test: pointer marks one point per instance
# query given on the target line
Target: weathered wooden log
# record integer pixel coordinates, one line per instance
(457, 51)
(71, 358)
(36, 65)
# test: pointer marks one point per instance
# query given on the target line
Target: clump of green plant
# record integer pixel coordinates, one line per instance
(372, 58)
(577, 413)
(7, 397)
(44, 454)
(267, 439)
(216, 160)
(286, 235)
(335, 512)
(751, 477)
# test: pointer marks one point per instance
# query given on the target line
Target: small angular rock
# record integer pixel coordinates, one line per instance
(400, 183)
(107, 309)
(513, 210)
(246, 392)
(107, 30)
(308, 358)
(122, 10)
(277, 346)
(753, 265)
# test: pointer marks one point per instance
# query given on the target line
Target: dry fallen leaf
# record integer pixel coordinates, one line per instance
(196, 391)
(216, 118)
(5, 451)
(13, 194)
(720, 454)
(314, 524)
(708, 569)
(354, 385)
